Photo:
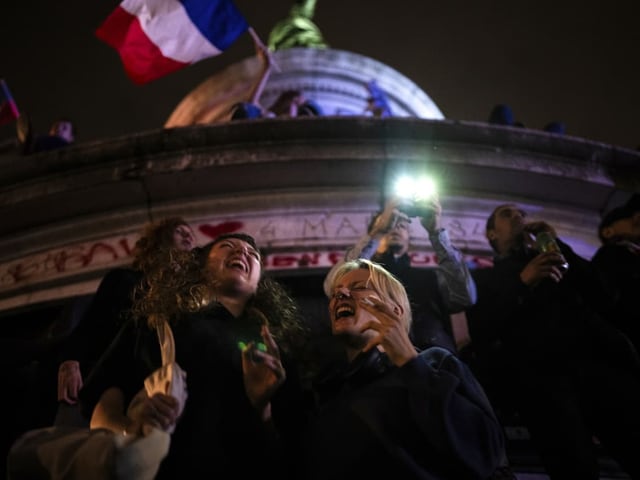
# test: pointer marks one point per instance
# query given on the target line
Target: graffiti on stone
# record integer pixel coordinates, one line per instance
(346, 228)
(215, 230)
(294, 240)
(314, 230)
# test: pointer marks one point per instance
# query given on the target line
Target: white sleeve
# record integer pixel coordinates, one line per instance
(454, 278)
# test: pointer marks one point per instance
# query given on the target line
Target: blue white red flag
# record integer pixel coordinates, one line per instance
(8, 108)
(158, 37)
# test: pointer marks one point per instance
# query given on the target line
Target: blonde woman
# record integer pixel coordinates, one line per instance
(394, 411)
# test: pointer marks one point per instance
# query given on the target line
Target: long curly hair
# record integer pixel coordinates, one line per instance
(156, 243)
(185, 285)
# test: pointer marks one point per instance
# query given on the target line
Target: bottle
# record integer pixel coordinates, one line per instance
(546, 243)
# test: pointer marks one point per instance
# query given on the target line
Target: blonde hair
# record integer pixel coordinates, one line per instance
(386, 285)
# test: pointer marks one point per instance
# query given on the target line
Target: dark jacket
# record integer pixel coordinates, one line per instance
(218, 425)
(428, 419)
(103, 318)
(552, 325)
(619, 268)
(522, 338)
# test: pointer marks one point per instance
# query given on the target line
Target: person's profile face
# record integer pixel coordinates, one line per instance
(184, 238)
(624, 229)
(508, 224)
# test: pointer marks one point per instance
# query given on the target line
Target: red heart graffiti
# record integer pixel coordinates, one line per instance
(213, 231)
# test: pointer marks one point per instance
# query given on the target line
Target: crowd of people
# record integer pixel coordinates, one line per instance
(553, 338)
(545, 344)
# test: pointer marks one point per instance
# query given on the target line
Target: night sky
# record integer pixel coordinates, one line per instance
(570, 61)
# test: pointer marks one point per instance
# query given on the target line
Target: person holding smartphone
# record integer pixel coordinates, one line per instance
(435, 293)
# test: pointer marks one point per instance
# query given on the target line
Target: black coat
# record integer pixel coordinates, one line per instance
(553, 325)
(428, 419)
(218, 425)
(619, 268)
(548, 354)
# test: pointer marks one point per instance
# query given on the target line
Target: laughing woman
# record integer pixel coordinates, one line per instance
(235, 331)
(395, 412)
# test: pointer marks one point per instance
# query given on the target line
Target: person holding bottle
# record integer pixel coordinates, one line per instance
(538, 329)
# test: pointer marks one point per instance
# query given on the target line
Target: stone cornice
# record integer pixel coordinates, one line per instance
(280, 177)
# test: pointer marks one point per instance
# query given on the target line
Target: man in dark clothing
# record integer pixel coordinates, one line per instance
(618, 263)
(568, 373)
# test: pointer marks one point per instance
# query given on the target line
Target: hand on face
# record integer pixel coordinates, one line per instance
(391, 334)
(364, 321)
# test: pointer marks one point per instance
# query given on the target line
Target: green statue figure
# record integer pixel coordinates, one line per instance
(298, 29)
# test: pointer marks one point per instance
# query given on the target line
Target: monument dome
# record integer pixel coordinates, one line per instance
(336, 80)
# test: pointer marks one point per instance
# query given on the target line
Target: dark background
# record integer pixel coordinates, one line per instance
(572, 61)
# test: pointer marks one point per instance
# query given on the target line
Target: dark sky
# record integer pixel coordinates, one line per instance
(573, 61)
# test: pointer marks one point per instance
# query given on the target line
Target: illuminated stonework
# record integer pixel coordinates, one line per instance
(305, 188)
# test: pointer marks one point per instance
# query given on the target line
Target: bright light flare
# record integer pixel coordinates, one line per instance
(414, 188)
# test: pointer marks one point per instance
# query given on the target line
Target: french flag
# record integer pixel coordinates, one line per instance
(8, 108)
(158, 37)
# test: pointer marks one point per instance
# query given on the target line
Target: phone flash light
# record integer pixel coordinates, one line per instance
(416, 189)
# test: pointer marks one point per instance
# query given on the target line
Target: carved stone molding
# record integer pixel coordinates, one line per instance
(305, 188)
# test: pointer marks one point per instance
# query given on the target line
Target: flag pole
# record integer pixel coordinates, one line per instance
(260, 44)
